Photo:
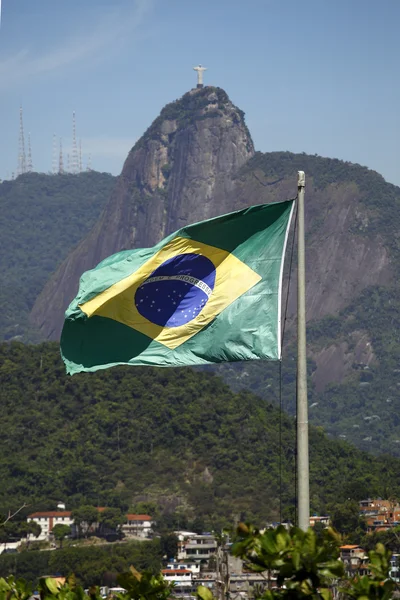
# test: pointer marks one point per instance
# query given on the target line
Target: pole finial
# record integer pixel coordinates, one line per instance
(301, 179)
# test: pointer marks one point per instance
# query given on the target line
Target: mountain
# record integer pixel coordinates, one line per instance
(197, 161)
(42, 218)
(176, 437)
(181, 170)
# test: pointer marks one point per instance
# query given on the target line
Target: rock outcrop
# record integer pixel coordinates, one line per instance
(182, 170)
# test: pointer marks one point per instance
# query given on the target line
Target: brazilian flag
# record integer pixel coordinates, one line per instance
(208, 293)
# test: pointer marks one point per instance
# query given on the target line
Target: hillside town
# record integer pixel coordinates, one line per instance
(205, 559)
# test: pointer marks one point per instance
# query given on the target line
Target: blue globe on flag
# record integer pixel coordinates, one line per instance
(177, 291)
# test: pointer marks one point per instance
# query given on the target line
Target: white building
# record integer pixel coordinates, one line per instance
(182, 578)
(394, 572)
(196, 547)
(47, 520)
(137, 526)
(192, 566)
(314, 520)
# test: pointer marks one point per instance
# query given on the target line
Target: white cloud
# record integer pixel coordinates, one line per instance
(113, 26)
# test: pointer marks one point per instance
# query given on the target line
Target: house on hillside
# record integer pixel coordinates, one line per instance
(394, 572)
(48, 519)
(138, 526)
(192, 566)
(135, 525)
(355, 559)
(197, 547)
(380, 515)
(323, 520)
(182, 578)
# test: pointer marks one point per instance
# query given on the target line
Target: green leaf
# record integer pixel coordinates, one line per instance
(52, 585)
(325, 593)
(204, 593)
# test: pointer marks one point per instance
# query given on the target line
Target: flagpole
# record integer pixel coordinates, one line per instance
(303, 492)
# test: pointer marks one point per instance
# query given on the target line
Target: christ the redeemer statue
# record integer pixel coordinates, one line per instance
(200, 71)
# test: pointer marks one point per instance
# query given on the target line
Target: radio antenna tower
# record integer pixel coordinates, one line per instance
(54, 157)
(80, 156)
(61, 160)
(68, 163)
(21, 146)
(29, 165)
(75, 163)
(89, 163)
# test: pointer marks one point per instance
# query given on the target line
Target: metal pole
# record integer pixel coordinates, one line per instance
(303, 491)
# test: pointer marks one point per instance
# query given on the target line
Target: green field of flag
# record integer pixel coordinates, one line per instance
(208, 293)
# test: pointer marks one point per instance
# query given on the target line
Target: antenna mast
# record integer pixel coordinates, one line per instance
(29, 165)
(21, 146)
(54, 156)
(61, 160)
(80, 156)
(89, 163)
(75, 163)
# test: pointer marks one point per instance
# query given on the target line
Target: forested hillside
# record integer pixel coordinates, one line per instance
(364, 408)
(91, 565)
(354, 353)
(176, 436)
(42, 218)
(353, 265)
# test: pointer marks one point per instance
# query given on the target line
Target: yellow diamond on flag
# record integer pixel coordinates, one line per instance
(176, 293)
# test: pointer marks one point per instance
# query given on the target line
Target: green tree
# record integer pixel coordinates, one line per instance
(303, 566)
(84, 517)
(376, 585)
(28, 529)
(34, 528)
(144, 586)
(307, 568)
(345, 518)
(390, 539)
(51, 589)
(125, 431)
(60, 532)
(110, 521)
(169, 545)
(66, 208)
(12, 589)
(198, 525)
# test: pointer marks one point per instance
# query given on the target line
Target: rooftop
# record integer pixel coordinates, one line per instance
(49, 514)
(175, 571)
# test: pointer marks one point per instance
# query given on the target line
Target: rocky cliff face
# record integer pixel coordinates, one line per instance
(182, 170)
(346, 250)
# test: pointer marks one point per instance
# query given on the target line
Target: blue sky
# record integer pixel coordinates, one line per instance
(319, 76)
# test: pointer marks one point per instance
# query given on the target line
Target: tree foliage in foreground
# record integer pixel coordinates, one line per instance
(304, 566)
